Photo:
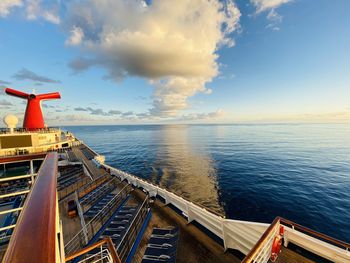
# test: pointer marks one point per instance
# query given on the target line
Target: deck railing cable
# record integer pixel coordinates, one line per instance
(125, 245)
(95, 224)
(107, 252)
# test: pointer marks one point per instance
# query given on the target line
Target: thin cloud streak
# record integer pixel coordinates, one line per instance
(25, 74)
(270, 6)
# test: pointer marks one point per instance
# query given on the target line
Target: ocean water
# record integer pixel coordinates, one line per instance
(247, 172)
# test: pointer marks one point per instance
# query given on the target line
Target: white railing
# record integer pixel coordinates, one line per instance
(236, 234)
(12, 178)
(332, 251)
(105, 253)
(317, 243)
(261, 253)
(102, 255)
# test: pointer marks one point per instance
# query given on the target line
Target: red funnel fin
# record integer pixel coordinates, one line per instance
(33, 118)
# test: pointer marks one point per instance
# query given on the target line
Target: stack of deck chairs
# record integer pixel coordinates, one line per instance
(162, 246)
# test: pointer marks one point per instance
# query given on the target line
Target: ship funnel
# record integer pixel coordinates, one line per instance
(11, 122)
(33, 118)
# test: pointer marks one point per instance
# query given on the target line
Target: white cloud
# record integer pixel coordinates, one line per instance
(35, 9)
(173, 44)
(274, 16)
(76, 36)
(263, 5)
(270, 6)
(7, 5)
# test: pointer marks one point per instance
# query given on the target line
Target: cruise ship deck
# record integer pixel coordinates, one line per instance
(140, 225)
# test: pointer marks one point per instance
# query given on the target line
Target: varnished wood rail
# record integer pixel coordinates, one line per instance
(34, 237)
(85, 250)
(261, 242)
(18, 158)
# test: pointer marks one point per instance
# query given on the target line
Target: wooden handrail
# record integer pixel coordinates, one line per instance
(314, 233)
(252, 253)
(18, 158)
(34, 237)
(85, 250)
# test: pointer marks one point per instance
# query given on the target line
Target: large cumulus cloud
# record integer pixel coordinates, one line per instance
(173, 44)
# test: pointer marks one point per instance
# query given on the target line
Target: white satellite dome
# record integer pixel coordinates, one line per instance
(11, 121)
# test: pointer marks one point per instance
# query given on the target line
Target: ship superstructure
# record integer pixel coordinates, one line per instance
(60, 202)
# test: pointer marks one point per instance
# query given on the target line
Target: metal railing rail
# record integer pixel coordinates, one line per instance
(106, 188)
(7, 227)
(308, 238)
(63, 193)
(19, 177)
(13, 213)
(102, 255)
(95, 224)
(313, 233)
(112, 254)
(14, 194)
(92, 185)
(24, 130)
(125, 245)
(10, 210)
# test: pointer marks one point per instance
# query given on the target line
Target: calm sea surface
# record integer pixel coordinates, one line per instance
(248, 172)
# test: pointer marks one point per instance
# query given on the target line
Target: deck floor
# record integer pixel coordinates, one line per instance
(289, 256)
(193, 244)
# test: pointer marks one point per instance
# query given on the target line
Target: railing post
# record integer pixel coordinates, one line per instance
(190, 218)
(81, 216)
(224, 236)
(32, 171)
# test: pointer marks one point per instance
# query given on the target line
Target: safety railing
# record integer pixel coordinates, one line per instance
(23, 130)
(40, 206)
(13, 188)
(82, 238)
(107, 187)
(25, 152)
(125, 245)
(87, 188)
(19, 177)
(106, 253)
(315, 242)
(313, 233)
(64, 192)
(235, 234)
(318, 243)
(261, 252)
(19, 158)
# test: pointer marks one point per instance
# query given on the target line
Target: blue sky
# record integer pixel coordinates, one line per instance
(179, 62)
